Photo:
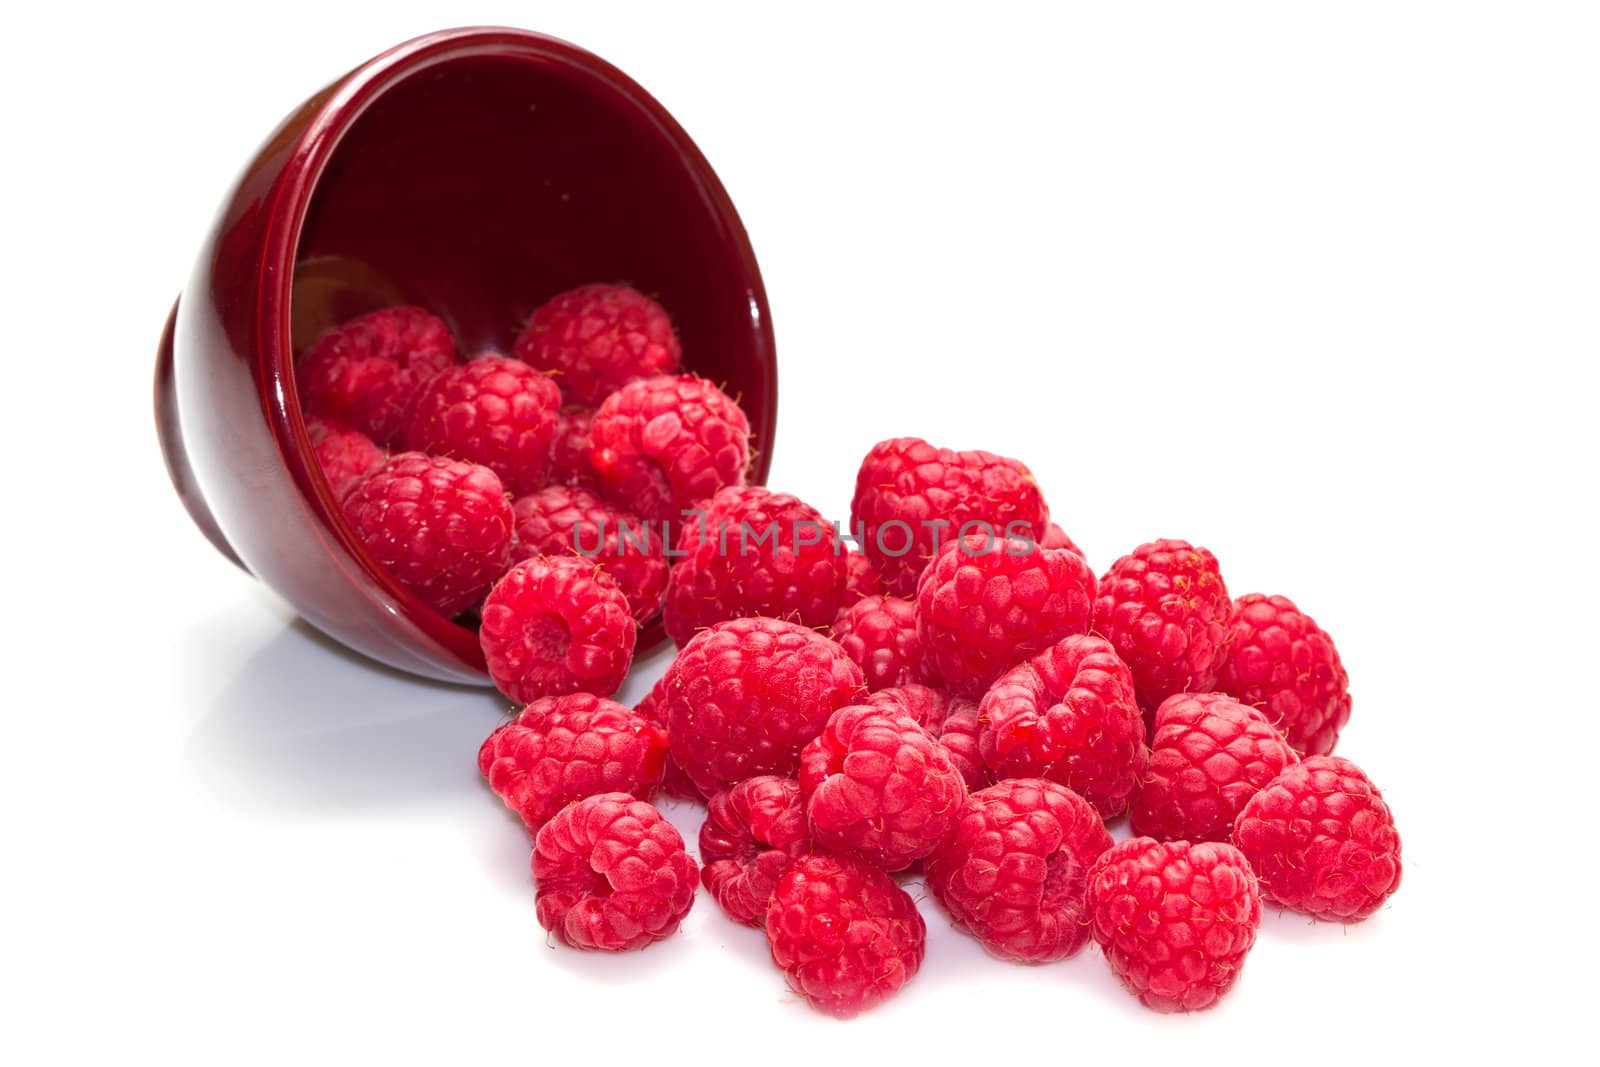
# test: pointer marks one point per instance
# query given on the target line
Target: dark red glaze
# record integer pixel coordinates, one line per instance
(474, 172)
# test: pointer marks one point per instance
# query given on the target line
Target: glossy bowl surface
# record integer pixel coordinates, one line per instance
(475, 172)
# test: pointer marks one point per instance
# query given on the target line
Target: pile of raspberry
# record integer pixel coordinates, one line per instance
(534, 495)
(1136, 758)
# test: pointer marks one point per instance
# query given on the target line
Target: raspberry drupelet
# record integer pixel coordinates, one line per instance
(346, 456)
(1279, 660)
(756, 553)
(861, 579)
(880, 634)
(569, 452)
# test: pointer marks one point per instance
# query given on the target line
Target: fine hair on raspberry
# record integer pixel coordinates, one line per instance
(659, 446)
(599, 337)
(880, 634)
(345, 455)
(928, 706)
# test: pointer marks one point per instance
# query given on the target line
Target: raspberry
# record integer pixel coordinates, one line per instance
(1165, 608)
(877, 784)
(562, 749)
(674, 783)
(662, 445)
(843, 933)
(745, 696)
(860, 579)
(959, 734)
(366, 372)
(611, 874)
(984, 606)
(1068, 714)
(759, 553)
(1207, 757)
(1012, 873)
(554, 625)
(912, 497)
(1279, 660)
(926, 705)
(597, 338)
(346, 456)
(1322, 841)
(569, 453)
(952, 720)
(1175, 920)
(493, 411)
(440, 526)
(1056, 537)
(880, 634)
(720, 512)
(568, 521)
(751, 833)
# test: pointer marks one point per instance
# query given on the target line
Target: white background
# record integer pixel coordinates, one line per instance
(1312, 285)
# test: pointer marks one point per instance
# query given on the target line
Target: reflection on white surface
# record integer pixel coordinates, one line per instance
(306, 726)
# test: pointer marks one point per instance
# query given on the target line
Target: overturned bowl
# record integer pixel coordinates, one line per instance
(474, 172)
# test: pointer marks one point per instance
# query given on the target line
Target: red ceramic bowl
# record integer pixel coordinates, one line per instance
(475, 172)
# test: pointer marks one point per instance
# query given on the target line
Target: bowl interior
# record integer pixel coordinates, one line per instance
(481, 184)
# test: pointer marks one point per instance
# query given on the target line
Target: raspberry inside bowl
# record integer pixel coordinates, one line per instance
(473, 172)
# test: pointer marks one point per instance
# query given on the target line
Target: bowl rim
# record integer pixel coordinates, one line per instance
(308, 157)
